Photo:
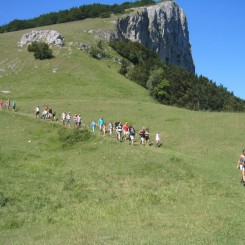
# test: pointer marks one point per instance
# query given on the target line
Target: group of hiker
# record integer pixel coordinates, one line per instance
(47, 113)
(66, 119)
(124, 132)
(8, 105)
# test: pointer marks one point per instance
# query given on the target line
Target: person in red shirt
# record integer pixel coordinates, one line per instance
(125, 131)
(1, 105)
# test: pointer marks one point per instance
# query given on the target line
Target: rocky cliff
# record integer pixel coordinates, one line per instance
(162, 28)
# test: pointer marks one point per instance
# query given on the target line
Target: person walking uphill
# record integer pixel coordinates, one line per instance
(93, 125)
(14, 105)
(68, 119)
(101, 123)
(110, 127)
(37, 112)
(131, 135)
(142, 136)
(79, 121)
(241, 166)
(8, 104)
(157, 144)
(125, 131)
(119, 131)
(1, 105)
(63, 118)
(147, 136)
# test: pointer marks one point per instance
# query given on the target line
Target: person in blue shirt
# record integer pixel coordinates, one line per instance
(14, 105)
(101, 123)
(131, 135)
(93, 125)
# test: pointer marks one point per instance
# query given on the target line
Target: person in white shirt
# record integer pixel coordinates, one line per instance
(157, 139)
(37, 112)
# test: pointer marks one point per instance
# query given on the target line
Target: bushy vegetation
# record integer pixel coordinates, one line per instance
(3, 200)
(73, 14)
(94, 52)
(69, 137)
(173, 85)
(41, 50)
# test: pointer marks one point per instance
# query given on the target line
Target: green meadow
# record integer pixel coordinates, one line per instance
(97, 190)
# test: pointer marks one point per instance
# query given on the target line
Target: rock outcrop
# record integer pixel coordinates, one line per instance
(162, 28)
(47, 36)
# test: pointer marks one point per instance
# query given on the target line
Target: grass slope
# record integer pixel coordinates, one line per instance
(101, 191)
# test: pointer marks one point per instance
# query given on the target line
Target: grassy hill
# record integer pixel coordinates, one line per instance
(100, 191)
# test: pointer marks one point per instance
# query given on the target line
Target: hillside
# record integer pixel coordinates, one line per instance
(101, 191)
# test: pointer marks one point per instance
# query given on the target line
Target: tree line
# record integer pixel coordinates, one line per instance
(73, 14)
(171, 85)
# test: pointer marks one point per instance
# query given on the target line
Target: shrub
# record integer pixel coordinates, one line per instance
(124, 67)
(3, 200)
(32, 47)
(105, 15)
(100, 44)
(94, 53)
(41, 50)
(69, 137)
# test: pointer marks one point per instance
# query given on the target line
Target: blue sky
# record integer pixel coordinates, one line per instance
(217, 33)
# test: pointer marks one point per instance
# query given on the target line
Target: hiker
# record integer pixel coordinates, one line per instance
(101, 123)
(104, 129)
(131, 135)
(119, 131)
(63, 118)
(241, 166)
(68, 119)
(110, 128)
(1, 105)
(241, 160)
(116, 124)
(75, 120)
(45, 113)
(93, 125)
(50, 113)
(157, 140)
(147, 136)
(79, 121)
(54, 115)
(142, 136)
(37, 111)
(125, 131)
(14, 105)
(8, 104)
(243, 173)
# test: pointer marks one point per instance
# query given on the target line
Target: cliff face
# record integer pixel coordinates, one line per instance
(162, 28)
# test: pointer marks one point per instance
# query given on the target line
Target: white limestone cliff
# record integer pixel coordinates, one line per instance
(162, 28)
